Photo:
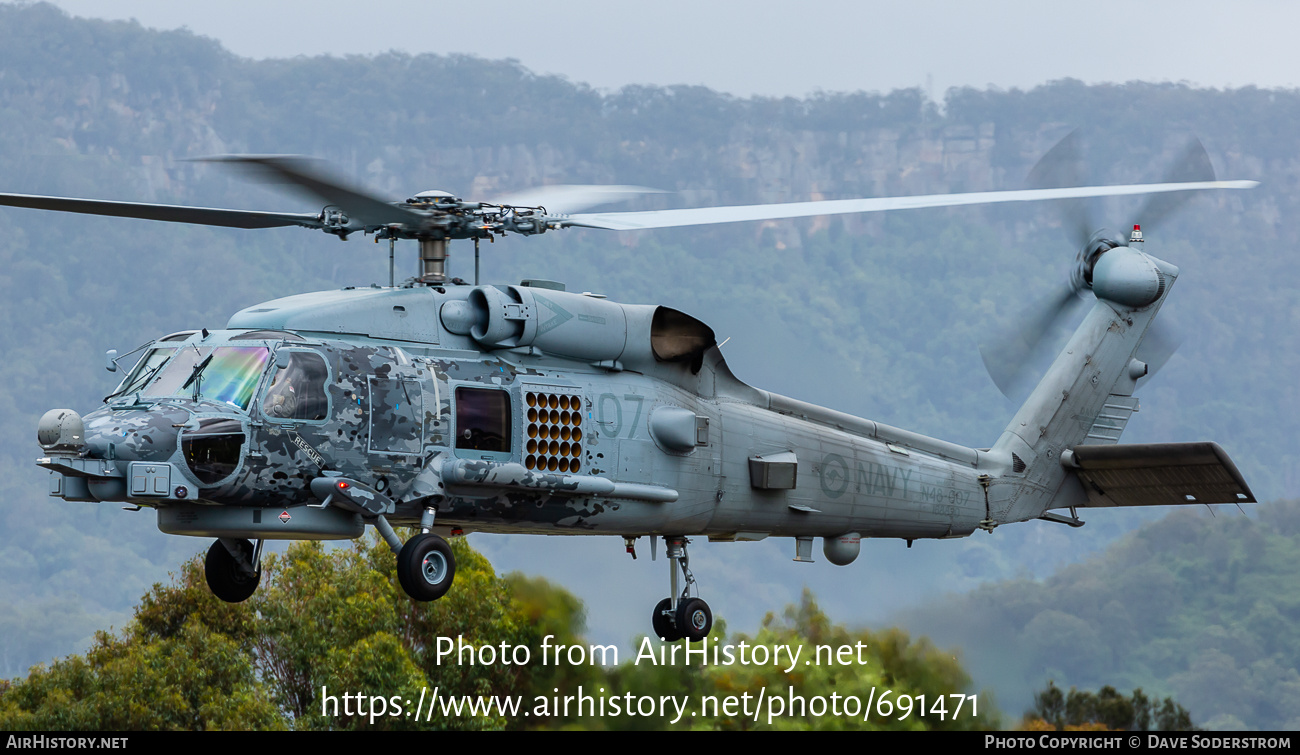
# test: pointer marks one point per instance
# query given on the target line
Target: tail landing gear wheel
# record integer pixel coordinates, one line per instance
(694, 619)
(226, 577)
(662, 621)
(426, 567)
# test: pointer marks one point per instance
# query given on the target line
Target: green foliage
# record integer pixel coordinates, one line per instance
(194, 679)
(555, 615)
(322, 620)
(1107, 708)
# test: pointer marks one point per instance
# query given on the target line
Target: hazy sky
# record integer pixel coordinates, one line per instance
(773, 47)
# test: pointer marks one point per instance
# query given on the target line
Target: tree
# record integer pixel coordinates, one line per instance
(325, 622)
(193, 679)
(1106, 709)
(554, 612)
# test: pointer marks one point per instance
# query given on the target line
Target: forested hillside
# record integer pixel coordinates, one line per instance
(1201, 608)
(878, 316)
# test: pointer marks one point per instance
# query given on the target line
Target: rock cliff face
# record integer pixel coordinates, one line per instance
(94, 95)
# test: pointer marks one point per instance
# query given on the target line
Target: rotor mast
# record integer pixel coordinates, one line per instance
(433, 261)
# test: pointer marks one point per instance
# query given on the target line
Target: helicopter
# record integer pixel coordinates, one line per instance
(452, 407)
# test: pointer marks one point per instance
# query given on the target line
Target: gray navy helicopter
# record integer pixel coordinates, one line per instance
(453, 408)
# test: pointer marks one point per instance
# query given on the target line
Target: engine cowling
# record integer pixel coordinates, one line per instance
(560, 323)
(578, 326)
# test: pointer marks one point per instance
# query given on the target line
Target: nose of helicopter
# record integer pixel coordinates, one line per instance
(134, 434)
(142, 452)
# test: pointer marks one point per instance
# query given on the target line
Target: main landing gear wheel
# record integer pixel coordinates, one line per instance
(663, 621)
(426, 567)
(227, 576)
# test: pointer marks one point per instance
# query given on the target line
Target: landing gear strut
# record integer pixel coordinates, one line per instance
(233, 569)
(681, 616)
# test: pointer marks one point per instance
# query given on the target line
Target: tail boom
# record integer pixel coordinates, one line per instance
(1085, 397)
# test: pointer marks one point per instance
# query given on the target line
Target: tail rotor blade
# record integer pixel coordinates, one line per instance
(1061, 167)
(1192, 165)
(1010, 355)
(1159, 344)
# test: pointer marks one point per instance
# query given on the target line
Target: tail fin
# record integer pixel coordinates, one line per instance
(1086, 398)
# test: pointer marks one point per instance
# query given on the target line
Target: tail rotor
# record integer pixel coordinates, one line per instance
(1010, 356)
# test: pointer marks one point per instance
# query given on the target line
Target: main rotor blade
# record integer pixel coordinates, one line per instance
(629, 221)
(166, 212)
(306, 175)
(564, 199)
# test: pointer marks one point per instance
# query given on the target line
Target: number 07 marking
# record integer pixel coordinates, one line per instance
(612, 428)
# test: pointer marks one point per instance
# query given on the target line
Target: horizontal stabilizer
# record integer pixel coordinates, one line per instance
(1157, 474)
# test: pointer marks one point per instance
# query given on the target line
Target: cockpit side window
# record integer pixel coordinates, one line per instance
(297, 392)
(483, 420)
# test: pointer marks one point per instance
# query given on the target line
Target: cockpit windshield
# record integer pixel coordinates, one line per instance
(228, 374)
(144, 370)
